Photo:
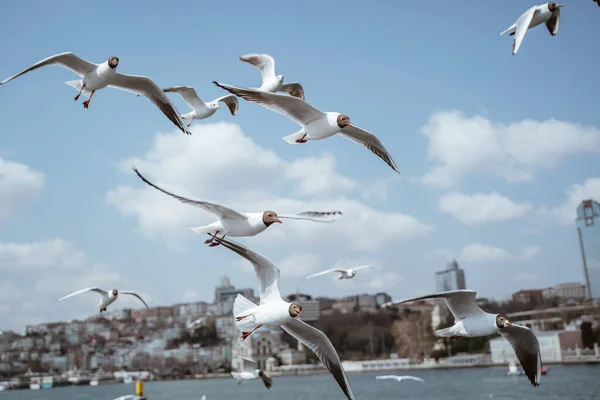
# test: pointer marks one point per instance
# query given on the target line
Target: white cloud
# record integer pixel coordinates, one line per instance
(515, 152)
(219, 163)
(41, 272)
(18, 184)
(530, 252)
(482, 208)
(384, 280)
(566, 213)
(299, 265)
(477, 252)
(190, 296)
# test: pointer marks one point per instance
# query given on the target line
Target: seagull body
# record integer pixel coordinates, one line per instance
(249, 372)
(270, 82)
(316, 124)
(200, 109)
(98, 76)
(548, 14)
(344, 273)
(400, 378)
(236, 224)
(472, 321)
(107, 297)
(274, 312)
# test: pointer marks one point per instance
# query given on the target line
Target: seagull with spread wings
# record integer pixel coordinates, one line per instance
(233, 223)
(472, 321)
(98, 76)
(249, 371)
(316, 124)
(344, 273)
(548, 14)
(200, 109)
(106, 298)
(270, 82)
(400, 378)
(275, 312)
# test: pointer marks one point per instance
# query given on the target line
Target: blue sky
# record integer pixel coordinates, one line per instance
(495, 150)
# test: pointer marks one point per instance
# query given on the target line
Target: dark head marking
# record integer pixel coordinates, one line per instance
(343, 121)
(500, 320)
(270, 217)
(552, 6)
(113, 62)
(115, 292)
(295, 310)
(261, 373)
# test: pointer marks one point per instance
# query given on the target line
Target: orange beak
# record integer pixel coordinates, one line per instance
(508, 324)
(278, 220)
(299, 313)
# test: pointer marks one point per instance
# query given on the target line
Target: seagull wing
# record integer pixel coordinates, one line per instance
(266, 272)
(320, 344)
(461, 303)
(412, 378)
(386, 377)
(92, 289)
(315, 216)
(291, 107)
(267, 380)
(325, 272)
(265, 62)
(145, 86)
(66, 60)
(522, 27)
(231, 102)
(363, 266)
(371, 142)
(294, 89)
(553, 23)
(527, 349)
(134, 294)
(219, 210)
(189, 95)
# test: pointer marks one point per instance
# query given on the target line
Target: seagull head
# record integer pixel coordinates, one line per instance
(352, 272)
(113, 62)
(261, 372)
(343, 121)
(502, 322)
(295, 310)
(552, 6)
(115, 292)
(270, 217)
(279, 78)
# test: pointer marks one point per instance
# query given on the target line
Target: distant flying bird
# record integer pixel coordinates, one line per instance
(400, 378)
(200, 109)
(274, 312)
(548, 14)
(316, 124)
(270, 82)
(472, 321)
(249, 371)
(98, 76)
(233, 223)
(344, 273)
(107, 298)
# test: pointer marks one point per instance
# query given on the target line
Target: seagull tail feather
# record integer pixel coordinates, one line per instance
(446, 332)
(291, 139)
(77, 83)
(241, 306)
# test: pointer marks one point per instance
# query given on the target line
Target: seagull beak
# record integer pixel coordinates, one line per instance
(299, 313)
(278, 220)
(350, 123)
(560, 5)
(509, 324)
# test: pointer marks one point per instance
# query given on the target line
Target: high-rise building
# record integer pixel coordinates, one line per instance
(452, 278)
(588, 230)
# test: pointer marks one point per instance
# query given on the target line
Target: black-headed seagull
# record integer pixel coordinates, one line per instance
(270, 82)
(200, 109)
(400, 378)
(344, 273)
(548, 14)
(250, 372)
(107, 298)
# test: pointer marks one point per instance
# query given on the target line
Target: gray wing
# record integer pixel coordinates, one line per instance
(553, 23)
(326, 272)
(522, 27)
(189, 95)
(218, 209)
(527, 349)
(294, 89)
(67, 60)
(265, 62)
(371, 142)
(92, 289)
(231, 102)
(320, 344)
(145, 86)
(134, 294)
(461, 303)
(267, 380)
(291, 107)
(316, 216)
(266, 272)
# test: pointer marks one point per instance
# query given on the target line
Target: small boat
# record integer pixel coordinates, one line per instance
(513, 370)
(47, 382)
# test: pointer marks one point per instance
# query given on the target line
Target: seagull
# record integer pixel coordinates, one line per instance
(548, 14)
(249, 371)
(270, 82)
(274, 312)
(316, 124)
(98, 76)
(107, 298)
(400, 378)
(200, 109)
(233, 223)
(344, 273)
(597, 2)
(472, 321)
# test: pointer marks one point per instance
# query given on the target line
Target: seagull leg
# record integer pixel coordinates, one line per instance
(86, 103)
(241, 317)
(454, 338)
(191, 122)
(79, 94)
(302, 140)
(218, 242)
(246, 334)
(207, 241)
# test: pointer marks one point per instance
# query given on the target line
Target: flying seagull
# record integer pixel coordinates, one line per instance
(270, 82)
(548, 14)
(107, 298)
(249, 371)
(200, 109)
(344, 273)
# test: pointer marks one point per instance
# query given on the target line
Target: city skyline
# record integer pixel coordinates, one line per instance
(588, 230)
